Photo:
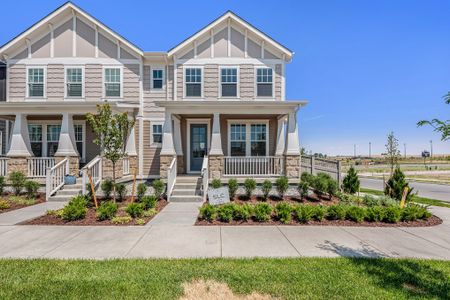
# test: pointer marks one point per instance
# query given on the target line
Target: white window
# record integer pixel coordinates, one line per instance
(156, 133)
(79, 139)
(74, 82)
(258, 140)
(36, 82)
(238, 139)
(264, 82)
(248, 138)
(193, 82)
(157, 79)
(113, 82)
(35, 133)
(228, 82)
(53, 132)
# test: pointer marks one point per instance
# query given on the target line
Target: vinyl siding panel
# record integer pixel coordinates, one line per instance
(211, 82)
(55, 82)
(179, 82)
(131, 82)
(17, 82)
(247, 82)
(151, 154)
(93, 90)
(278, 82)
(151, 95)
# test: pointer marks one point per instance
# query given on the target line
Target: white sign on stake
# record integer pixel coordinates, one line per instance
(218, 196)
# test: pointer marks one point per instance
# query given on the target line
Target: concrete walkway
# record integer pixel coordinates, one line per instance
(20, 215)
(187, 241)
(177, 214)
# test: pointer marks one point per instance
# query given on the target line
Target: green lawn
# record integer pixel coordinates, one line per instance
(305, 278)
(416, 199)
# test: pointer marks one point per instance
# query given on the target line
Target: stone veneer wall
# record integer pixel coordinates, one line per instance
(164, 164)
(107, 169)
(292, 166)
(180, 164)
(17, 164)
(215, 166)
(74, 164)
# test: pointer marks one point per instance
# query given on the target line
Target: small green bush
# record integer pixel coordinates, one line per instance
(140, 221)
(332, 187)
(208, 212)
(304, 213)
(141, 190)
(121, 191)
(216, 183)
(232, 187)
(226, 212)
(75, 209)
(158, 188)
(370, 200)
(2, 185)
(107, 187)
(107, 210)
(396, 184)
(336, 212)
(320, 184)
(266, 187)
(283, 212)
(243, 212)
(79, 200)
(250, 186)
(302, 189)
(375, 214)
(282, 184)
(262, 212)
(350, 183)
(17, 180)
(121, 220)
(149, 202)
(318, 212)
(414, 212)
(4, 204)
(89, 194)
(387, 201)
(356, 213)
(392, 214)
(308, 178)
(150, 212)
(31, 188)
(135, 210)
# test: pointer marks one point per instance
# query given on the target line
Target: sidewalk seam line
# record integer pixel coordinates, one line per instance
(289, 241)
(69, 240)
(221, 243)
(139, 239)
(366, 242)
(418, 236)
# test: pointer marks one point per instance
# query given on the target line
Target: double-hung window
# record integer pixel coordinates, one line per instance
(74, 82)
(113, 82)
(53, 132)
(248, 138)
(258, 139)
(36, 82)
(193, 81)
(157, 79)
(238, 139)
(264, 82)
(228, 81)
(78, 129)
(156, 134)
(35, 133)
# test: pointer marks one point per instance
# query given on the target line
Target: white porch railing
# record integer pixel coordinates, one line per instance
(55, 177)
(37, 166)
(126, 165)
(205, 178)
(171, 177)
(254, 165)
(94, 168)
(3, 166)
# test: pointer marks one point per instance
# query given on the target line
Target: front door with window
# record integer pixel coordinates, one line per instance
(198, 146)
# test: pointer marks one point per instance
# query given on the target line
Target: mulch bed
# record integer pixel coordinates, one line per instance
(312, 199)
(13, 206)
(91, 217)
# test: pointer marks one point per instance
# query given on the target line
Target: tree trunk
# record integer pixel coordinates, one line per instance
(114, 180)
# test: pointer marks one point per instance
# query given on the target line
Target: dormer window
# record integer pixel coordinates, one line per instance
(228, 82)
(264, 82)
(193, 82)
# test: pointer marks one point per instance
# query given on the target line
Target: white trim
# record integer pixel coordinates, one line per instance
(104, 83)
(237, 82)
(28, 97)
(212, 43)
(195, 49)
(52, 40)
(152, 143)
(246, 44)
(188, 140)
(175, 77)
(248, 124)
(141, 147)
(255, 80)
(74, 61)
(229, 37)
(118, 49)
(283, 81)
(28, 42)
(96, 41)
(262, 49)
(201, 83)
(230, 61)
(74, 34)
(83, 83)
(156, 68)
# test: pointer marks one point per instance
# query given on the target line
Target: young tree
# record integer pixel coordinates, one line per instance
(392, 151)
(350, 183)
(111, 132)
(396, 184)
(439, 125)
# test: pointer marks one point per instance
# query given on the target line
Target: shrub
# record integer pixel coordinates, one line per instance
(308, 178)
(250, 186)
(141, 190)
(158, 187)
(121, 191)
(4, 204)
(140, 221)
(107, 187)
(226, 212)
(414, 212)
(17, 180)
(266, 187)
(375, 214)
(332, 187)
(320, 184)
(208, 212)
(387, 201)
(392, 214)
(336, 212)
(302, 189)
(318, 212)
(150, 212)
(75, 209)
(396, 184)
(370, 201)
(79, 200)
(232, 187)
(121, 220)
(55, 212)
(149, 202)
(282, 184)
(304, 213)
(350, 184)
(216, 183)
(243, 212)
(262, 212)
(107, 210)
(135, 210)
(283, 212)
(2, 185)
(31, 187)
(88, 194)
(356, 213)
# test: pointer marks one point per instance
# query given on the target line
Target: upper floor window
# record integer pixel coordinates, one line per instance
(157, 78)
(156, 134)
(74, 82)
(36, 82)
(193, 80)
(113, 82)
(228, 80)
(264, 82)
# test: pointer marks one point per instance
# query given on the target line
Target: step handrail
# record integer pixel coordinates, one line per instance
(94, 168)
(54, 179)
(205, 178)
(171, 177)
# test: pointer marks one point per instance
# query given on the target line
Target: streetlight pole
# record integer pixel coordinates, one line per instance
(370, 149)
(431, 148)
(404, 146)
(354, 150)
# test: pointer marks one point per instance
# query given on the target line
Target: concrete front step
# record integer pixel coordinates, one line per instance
(187, 179)
(186, 186)
(67, 192)
(174, 198)
(60, 198)
(184, 192)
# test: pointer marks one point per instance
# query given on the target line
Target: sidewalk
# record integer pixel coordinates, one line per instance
(20, 215)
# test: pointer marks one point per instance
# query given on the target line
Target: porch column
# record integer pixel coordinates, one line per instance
(281, 136)
(292, 154)
(216, 152)
(168, 148)
(130, 150)
(177, 144)
(19, 147)
(66, 144)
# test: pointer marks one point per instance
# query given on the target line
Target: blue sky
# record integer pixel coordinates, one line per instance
(367, 67)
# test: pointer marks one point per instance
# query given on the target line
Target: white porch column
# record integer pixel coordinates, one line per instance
(168, 147)
(20, 140)
(216, 140)
(66, 145)
(281, 136)
(177, 136)
(130, 148)
(293, 144)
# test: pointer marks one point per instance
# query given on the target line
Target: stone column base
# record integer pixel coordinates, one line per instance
(133, 165)
(74, 164)
(292, 166)
(215, 166)
(107, 168)
(164, 164)
(180, 164)
(17, 164)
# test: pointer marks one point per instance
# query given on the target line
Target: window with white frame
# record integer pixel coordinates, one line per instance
(35, 133)
(228, 82)
(264, 82)
(113, 82)
(157, 79)
(79, 132)
(36, 82)
(238, 139)
(156, 134)
(74, 82)
(258, 140)
(53, 132)
(248, 138)
(193, 82)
